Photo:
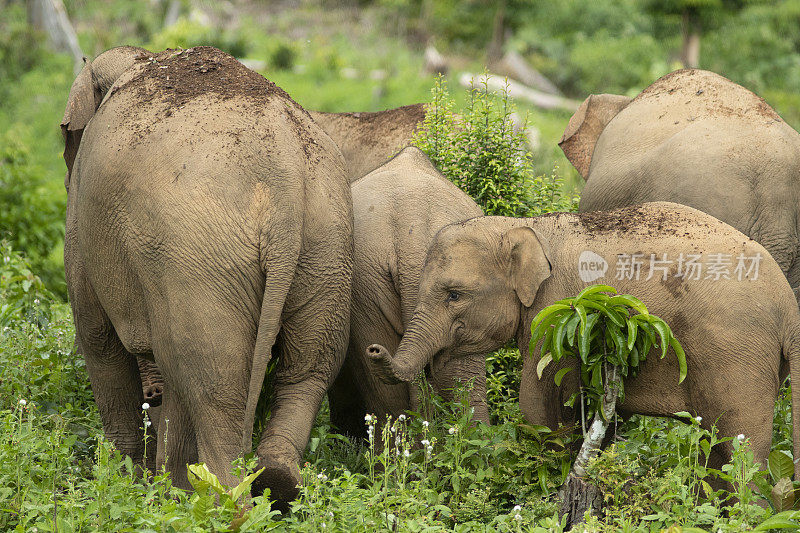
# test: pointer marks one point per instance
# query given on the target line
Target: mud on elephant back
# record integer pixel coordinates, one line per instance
(484, 280)
(698, 139)
(209, 228)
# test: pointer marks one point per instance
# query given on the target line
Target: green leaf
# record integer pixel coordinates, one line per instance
(664, 335)
(615, 317)
(629, 301)
(204, 475)
(584, 339)
(631, 333)
(237, 491)
(541, 329)
(779, 521)
(547, 311)
(681, 355)
(572, 327)
(560, 375)
(582, 313)
(780, 465)
(783, 494)
(591, 289)
(619, 342)
(543, 362)
(558, 337)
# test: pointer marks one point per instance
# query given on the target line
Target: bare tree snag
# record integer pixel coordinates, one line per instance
(50, 17)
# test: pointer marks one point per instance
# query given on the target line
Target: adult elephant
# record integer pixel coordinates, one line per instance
(485, 280)
(209, 228)
(367, 140)
(698, 139)
(397, 210)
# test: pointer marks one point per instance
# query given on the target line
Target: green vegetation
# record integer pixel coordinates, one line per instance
(58, 472)
(481, 152)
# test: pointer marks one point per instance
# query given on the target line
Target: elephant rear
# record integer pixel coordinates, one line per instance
(207, 214)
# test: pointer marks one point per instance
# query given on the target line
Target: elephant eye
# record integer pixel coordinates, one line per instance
(453, 296)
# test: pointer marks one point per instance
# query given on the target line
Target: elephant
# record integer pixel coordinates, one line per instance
(698, 139)
(484, 281)
(367, 140)
(397, 209)
(209, 229)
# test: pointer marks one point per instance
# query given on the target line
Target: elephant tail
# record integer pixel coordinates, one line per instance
(279, 260)
(791, 351)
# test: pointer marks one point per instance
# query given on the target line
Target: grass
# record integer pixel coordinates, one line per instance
(437, 472)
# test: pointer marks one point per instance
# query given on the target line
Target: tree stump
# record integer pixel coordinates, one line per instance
(577, 498)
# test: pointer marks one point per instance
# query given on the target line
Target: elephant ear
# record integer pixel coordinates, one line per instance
(529, 260)
(586, 125)
(81, 105)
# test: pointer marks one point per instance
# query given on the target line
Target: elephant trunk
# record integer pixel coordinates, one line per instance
(415, 351)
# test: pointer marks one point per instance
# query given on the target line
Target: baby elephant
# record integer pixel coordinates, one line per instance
(397, 210)
(724, 296)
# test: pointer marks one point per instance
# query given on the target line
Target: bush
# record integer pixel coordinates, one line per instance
(32, 216)
(480, 151)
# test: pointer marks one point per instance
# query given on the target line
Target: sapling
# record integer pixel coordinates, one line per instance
(610, 335)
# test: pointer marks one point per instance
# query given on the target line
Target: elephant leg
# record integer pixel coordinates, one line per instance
(347, 405)
(176, 441)
(203, 358)
(311, 350)
(113, 373)
(747, 409)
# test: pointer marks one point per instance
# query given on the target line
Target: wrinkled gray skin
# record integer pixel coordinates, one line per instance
(397, 210)
(208, 228)
(484, 280)
(367, 140)
(698, 139)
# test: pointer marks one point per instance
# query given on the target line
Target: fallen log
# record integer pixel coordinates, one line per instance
(518, 91)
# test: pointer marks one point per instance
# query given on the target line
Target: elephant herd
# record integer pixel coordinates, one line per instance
(215, 228)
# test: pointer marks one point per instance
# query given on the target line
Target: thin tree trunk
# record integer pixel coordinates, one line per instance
(495, 50)
(577, 495)
(690, 29)
(50, 17)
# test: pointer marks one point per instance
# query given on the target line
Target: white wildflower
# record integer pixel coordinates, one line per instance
(36, 301)
(699, 419)
(425, 442)
(452, 430)
(401, 418)
(517, 508)
(406, 453)
(425, 424)
(517, 516)
(368, 419)
(147, 423)
(23, 402)
(145, 406)
(740, 437)
(322, 477)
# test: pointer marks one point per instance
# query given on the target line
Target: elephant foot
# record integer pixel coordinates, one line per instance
(281, 478)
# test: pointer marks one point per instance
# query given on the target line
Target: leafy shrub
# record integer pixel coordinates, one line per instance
(481, 153)
(31, 218)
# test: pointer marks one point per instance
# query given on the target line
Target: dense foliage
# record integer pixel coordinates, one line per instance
(481, 151)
